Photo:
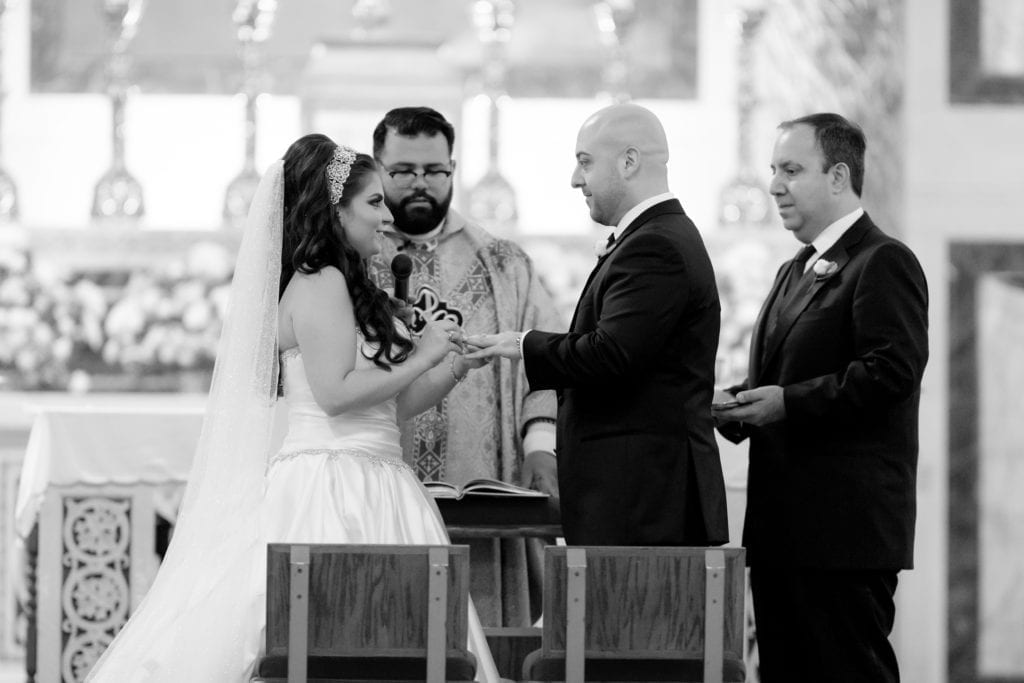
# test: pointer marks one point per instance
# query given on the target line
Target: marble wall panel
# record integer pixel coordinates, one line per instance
(986, 566)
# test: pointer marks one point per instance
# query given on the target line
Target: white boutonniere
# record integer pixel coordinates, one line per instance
(823, 269)
(604, 245)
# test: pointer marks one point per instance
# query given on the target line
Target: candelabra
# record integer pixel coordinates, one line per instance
(745, 201)
(492, 201)
(253, 20)
(118, 195)
(8, 190)
(614, 20)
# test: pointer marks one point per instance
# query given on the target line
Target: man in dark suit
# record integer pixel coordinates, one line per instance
(831, 408)
(637, 459)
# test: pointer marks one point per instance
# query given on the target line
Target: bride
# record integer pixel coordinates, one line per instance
(349, 370)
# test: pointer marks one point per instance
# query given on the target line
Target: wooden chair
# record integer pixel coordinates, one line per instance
(366, 612)
(641, 614)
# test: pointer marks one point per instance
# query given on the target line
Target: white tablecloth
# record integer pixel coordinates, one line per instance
(118, 444)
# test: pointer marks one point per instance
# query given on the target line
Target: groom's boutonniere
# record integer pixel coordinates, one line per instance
(604, 245)
(823, 269)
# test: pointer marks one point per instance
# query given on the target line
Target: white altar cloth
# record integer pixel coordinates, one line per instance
(106, 444)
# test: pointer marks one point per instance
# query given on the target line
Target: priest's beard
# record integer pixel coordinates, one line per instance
(419, 219)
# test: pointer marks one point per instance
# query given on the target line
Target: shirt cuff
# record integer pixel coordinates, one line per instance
(540, 436)
(519, 343)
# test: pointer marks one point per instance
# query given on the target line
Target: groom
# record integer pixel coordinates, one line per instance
(637, 459)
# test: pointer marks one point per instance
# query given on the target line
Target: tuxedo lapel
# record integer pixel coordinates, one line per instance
(667, 206)
(808, 287)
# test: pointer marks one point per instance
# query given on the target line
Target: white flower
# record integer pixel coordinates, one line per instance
(62, 348)
(13, 292)
(13, 260)
(604, 245)
(42, 335)
(220, 297)
(824, 269)
(197, 316)
(79, 382)
(125, 319)
(111, 352)
(90, 296)
(188, 291)
(26, 360)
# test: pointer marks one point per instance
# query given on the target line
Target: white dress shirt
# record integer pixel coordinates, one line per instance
(831, 234)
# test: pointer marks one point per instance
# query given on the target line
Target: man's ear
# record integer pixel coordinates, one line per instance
(452, 162)
(839, 177)
(630, 161)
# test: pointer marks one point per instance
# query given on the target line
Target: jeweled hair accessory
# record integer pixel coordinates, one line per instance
(338, 170)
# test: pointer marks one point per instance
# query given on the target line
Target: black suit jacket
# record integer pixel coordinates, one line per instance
(637, 459)
(833, 485)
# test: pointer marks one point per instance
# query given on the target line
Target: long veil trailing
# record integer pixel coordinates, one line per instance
(199, 621)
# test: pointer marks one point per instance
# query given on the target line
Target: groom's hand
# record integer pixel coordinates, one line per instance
(502, 344)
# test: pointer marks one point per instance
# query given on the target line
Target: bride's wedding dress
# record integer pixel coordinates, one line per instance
(335, 480)
(342, 480)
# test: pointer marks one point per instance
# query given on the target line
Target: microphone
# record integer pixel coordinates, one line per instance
(401, 268)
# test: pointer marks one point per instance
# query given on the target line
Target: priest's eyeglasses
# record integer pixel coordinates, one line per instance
(405, 177)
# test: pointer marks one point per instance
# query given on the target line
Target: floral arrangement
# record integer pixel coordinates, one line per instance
(136, 330)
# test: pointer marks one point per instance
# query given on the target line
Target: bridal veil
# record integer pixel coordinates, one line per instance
(199, 621)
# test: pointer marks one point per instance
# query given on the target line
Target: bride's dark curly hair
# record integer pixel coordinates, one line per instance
(314, 238)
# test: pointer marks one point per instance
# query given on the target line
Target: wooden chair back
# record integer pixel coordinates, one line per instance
(367, 601)
(643, 603)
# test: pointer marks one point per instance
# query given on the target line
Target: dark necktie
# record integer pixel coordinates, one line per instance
(793, 275)
(796, 271)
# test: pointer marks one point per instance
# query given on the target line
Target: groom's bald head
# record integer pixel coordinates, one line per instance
(621, 158)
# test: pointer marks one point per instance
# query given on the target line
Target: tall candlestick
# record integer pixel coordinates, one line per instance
(118, 195)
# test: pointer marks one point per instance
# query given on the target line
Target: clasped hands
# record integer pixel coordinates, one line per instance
(758, 407)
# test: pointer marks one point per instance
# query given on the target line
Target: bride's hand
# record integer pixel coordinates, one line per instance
(439, 338)
(463, 364)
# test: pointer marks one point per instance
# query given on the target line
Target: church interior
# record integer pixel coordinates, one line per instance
(133, 134)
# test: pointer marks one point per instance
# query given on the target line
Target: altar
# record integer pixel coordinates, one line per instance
(96, 477)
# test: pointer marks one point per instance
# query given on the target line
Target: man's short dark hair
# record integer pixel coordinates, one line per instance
(840, 140)
(413, 121)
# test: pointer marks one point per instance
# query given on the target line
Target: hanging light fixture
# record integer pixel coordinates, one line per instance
(744, 201)
(614, 20)
(492, 200)
(253, 20)
(8, 190)
(118, 195)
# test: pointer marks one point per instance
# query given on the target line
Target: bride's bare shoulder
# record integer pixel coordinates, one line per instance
(324, 289)
(324, 282)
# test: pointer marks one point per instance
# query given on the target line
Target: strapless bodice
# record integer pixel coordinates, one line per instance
(372, 431)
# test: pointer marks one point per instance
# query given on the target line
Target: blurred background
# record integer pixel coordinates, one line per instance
(133, 133)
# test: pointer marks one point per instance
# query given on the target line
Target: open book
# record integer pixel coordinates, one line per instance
(480, 487)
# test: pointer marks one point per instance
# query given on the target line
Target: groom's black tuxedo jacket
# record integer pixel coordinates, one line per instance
(832, 486)
(637, 458)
